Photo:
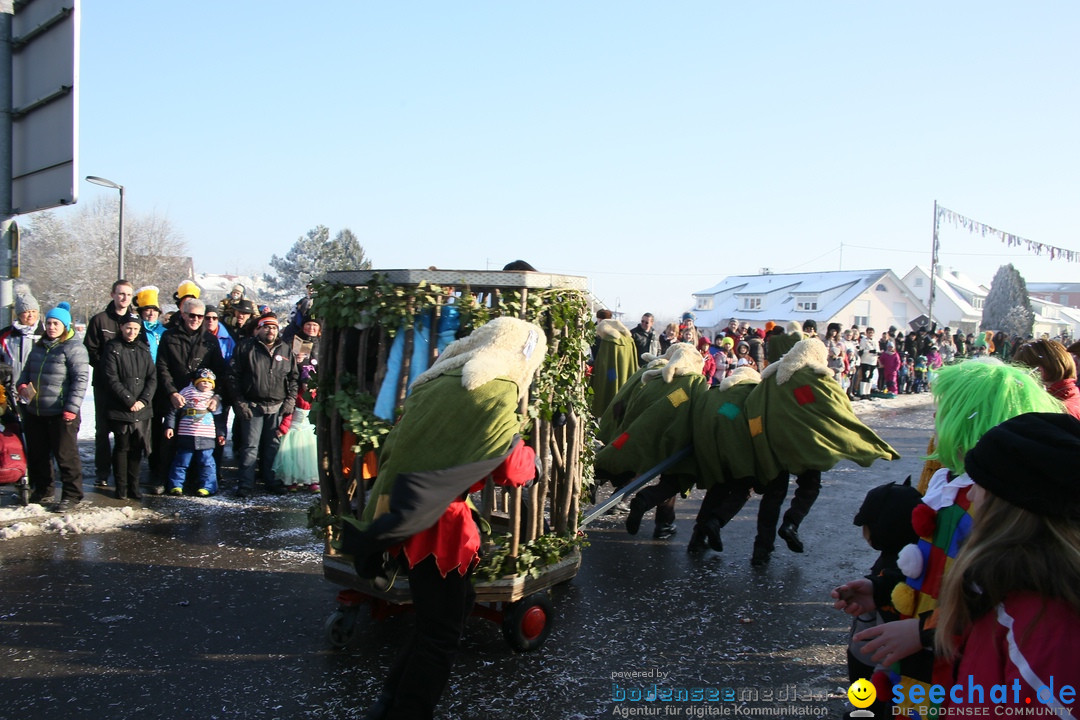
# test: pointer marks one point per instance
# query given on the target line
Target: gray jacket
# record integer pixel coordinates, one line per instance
(60, 372)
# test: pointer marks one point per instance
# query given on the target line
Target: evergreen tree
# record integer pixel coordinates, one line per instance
(1008, 306)
(313, 255)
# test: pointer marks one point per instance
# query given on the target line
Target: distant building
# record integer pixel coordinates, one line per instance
(1067, 294)
(958, 301)
(875, 298)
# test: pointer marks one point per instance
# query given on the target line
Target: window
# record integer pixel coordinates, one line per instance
(704, 303)
(977, 303)
(751, 303)
(918, 282)
(881, 288)
(861, 308)
(806, 303)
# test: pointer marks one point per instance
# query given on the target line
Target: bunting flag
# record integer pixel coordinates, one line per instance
(974, 226)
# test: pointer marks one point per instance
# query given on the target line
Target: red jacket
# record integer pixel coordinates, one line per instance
(1027, 639)
(1065, 391)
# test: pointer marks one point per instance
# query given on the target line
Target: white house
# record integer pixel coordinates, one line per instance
(958, 301)
(874, 298)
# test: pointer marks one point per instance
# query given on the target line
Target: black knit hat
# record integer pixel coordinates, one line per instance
(1030, 461)
(886, 510)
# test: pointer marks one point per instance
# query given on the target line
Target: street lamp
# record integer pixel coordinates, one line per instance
(120, 250)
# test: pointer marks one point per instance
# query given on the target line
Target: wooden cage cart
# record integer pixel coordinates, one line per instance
(363, 313)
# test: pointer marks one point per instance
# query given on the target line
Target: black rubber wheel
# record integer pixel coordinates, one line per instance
(341, 627)
(527, 622)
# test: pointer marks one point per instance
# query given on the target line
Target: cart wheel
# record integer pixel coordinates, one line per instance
(341, 627)
(527, 622)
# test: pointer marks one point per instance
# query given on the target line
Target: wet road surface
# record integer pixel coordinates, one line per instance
(216, 608)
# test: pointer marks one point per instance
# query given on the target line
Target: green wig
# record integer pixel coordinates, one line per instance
(976, 395)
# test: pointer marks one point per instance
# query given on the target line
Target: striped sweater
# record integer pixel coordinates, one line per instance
(194, 420)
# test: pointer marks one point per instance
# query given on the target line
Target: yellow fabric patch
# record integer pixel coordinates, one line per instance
(756, 427)
(903, 599)
(678, 397)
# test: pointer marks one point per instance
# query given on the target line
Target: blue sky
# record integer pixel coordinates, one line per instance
(654, 148)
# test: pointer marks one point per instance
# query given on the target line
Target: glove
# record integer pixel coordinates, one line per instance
(242, 410)
(68, 416)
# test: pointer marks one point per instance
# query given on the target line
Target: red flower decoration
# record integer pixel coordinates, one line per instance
(924, 520)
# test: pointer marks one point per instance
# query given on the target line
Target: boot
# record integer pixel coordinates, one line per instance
(761, 556)
(789, 533)
(711, 528)
(133, 491)
(637, 512)
(121, 492)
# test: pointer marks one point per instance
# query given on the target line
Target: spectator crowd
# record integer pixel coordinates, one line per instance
(164, 387)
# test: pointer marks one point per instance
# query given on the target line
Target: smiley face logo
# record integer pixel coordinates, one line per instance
(862, 693)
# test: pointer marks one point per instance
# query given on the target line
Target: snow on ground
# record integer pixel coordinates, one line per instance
(36, 519)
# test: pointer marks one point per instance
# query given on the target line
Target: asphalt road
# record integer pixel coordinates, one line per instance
(216, 610)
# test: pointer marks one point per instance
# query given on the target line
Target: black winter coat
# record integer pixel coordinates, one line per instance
(181, 353)
(102, 328)
(265, 376)
(130, 375)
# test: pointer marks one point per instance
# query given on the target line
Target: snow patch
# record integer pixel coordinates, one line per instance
(36, 520)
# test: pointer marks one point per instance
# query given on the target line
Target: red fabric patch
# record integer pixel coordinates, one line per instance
(962, 501)
(518, 468)
(803, 394)
(924, 521)
(618, 442)
(935, 570)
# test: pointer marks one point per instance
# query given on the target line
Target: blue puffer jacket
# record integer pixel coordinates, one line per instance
(60, 372)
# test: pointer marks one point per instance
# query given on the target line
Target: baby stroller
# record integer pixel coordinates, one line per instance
(13, 460)
(12, 451)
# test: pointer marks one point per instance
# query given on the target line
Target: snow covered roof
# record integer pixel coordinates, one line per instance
(833, 291)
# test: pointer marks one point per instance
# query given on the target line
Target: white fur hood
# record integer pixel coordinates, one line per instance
(809, 353)
(739, 376)
(680, 359)
(611, 329)
(504, 347)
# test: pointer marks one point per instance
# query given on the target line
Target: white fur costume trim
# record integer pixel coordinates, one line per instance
(504, 347)
(740, 375)
(810, 353)
(680, 359)
(611, 329)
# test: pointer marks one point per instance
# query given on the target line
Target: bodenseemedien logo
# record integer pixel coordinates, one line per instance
(862, 694)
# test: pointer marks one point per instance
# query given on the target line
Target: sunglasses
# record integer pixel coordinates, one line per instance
(197, 316)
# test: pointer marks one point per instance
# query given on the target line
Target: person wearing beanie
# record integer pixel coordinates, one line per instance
(198, 427)
(102, 328)
(1010, 605)
(18, 338)
(265, 377)
(130, 379)
(885, 519)
(304, 340)
(51, 388)
(226, 304)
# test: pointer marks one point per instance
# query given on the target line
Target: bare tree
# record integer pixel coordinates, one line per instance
(74, 259)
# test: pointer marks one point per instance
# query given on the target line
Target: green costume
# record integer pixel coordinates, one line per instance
(778, 345)
(615, 361)
(800, 419)
(721, 434)
(658, 421)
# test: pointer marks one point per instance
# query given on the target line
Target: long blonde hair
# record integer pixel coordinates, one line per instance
(1009, 550)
